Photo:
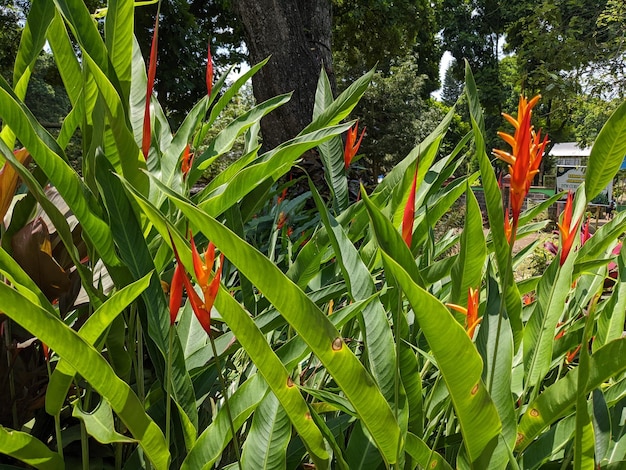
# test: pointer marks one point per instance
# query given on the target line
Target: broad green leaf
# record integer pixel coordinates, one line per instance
(607, 153)
(423, 455)
(495, 344)
(375, 325)
(118, 35)
(92, 366)
(584, 435)
(467, 271)
(92, 329)
(128, 160)
(448, 342)
(273, 371)
(226, 138)
(601, 424)
(47, 155)
(495, 211)
(549, 443)
(65, 58)
(85, 31)
(134, 251)
(540, 330)
(342, 106)
(309, 322)
(99, 423)
(217, 435)
(270, 432)
(271, 165)
(559, 398)
(613, 312)
(331, 152)
(28, 449)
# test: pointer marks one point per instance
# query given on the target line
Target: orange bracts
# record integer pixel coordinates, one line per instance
(176, 292)
(508, 229)
(409, 213)
(186, 161)
(147, 131)
(8, 181)
(471, 312)
(209, 285)
(352, 145)
(209, 71)
(566, 229)
(526, 154)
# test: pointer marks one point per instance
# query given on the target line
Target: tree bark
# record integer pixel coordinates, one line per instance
(297, 35)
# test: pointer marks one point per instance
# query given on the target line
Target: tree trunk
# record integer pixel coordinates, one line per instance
(297, 34)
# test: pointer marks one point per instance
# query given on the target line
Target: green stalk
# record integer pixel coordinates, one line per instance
(57, 418)
(226, 403)
(505, 283)
(84, 445)
(168, 385)
(7, 343)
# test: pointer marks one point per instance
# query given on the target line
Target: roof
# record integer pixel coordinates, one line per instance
(569, 149)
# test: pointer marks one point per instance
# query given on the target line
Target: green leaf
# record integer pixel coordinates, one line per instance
(118, 34)
(47, 155)
(92, 329)
(584, 435)
(448, 342)
(99, 423)
(92, 366)
(613, 313)
(495, 344)
(134, 251)
(495, 211)
(375, 325)
(342, 106)
(308, 321)
(331, 152)
(216, 436)
(423, 455)
(28, 449)
(270, 432)
(552, 292)
(560, 397)
(273, 165)
(607, 153)
(468, 268)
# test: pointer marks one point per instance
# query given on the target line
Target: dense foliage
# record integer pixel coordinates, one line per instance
(149, 324)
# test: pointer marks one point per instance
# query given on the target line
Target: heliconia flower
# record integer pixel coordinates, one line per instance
(186, 161)
(471, 312)
(567, 228)
(282, 218)
(209, 71)
(352, 145)
(209, 285)
(508, 229)
(526, 154)
(8, 181)
(176, 292)
(409, 213)
(147, 132)
(282, 196)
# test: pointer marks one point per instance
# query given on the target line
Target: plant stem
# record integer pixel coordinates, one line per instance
(226, 404)
(168, 386)
(57, 418)
(505, 284)
(140, 379)
(7, 343)
(84, 445)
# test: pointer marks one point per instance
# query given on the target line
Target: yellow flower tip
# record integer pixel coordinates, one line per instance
(458, 308)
